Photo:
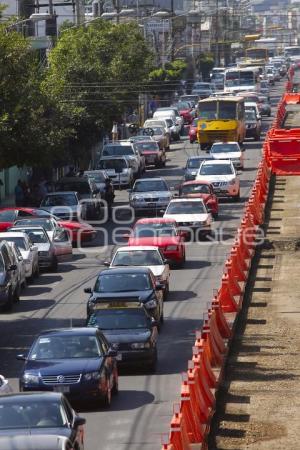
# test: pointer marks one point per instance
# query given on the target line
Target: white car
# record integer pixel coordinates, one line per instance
(191, 215)
(228, 150)
(153, 123)
(118, 170)
(57, 234)
(148, 256)
(171, 111)
(128, 151)
(28, 250)
(222, 175)
(253, 106)
(5, 387)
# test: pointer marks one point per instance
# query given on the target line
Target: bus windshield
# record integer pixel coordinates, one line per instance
(257, 53)
(217, 110)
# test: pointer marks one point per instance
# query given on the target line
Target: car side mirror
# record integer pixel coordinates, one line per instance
(243, 149)
(167, 261)
(154, 323)
(13, 267)
(21, 357)
(111, 353)
(79, 421)
(106, 263)
(129, 191)
(159, 286)
(20, 258)
(87, 290)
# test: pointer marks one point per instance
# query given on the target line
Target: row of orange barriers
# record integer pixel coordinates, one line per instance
(190, 424)
(281, 149)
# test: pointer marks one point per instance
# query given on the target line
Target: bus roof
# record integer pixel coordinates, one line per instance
(227, 98)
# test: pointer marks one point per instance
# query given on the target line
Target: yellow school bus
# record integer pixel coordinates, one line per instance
(221, 119)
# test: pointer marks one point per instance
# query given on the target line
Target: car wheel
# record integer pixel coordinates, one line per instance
(237, 197)
(166, 291)
(7, 307)
(107, 398)
(54, 265)
(115, 388)
(37, 271)
(153, 364)
(16, 296)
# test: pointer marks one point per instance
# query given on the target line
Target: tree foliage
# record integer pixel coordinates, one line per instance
(94, 75)
(167, 80)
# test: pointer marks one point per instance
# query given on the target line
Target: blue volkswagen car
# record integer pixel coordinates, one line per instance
(77, 362)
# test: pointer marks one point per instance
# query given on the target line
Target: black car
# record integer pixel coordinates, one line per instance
(192, 166)
(40, 413)
(9, 277)
(130, 330)
(136, 284)
(77, 362)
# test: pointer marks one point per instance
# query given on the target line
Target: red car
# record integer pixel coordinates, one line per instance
(201, 189)
(154, 156)
(186, 111)
(9, 215)
(162, 233)
(193, 131)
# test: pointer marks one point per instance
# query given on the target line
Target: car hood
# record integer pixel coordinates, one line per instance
(227, 155)
(187, 217)
(63, 366)
(75, 225)
(132, 295)
(39, 431)
(205, 197)
(42, 247)
(156, 241)
(5, 225)
(126, 336)
(152, 194)
(214, 178)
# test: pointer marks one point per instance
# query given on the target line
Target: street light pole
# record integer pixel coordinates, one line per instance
(217, 56)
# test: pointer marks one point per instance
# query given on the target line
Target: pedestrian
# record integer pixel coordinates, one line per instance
(114, 132)
(109, 195)
(19, 194)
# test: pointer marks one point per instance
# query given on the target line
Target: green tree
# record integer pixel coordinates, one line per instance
(95, 72)
(206, 63)
(166, 81)
(27, 129)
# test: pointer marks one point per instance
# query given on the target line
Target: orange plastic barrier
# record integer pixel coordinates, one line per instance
(282, 151)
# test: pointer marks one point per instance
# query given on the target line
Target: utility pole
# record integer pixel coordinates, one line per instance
(217, 56)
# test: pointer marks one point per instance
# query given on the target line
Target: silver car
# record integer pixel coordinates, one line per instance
(118, 170)
(149, 194)
(46, 250)
(127, 150)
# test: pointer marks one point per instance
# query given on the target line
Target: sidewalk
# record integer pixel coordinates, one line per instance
(259, 404)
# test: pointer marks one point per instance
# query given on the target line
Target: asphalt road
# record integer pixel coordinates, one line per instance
(143, 408)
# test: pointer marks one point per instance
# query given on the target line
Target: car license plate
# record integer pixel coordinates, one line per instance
(62, 389)
(119, 357)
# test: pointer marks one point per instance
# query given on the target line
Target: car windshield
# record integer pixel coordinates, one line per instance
(19, 241)
(59, 200)
(31, 413)
(98, 177)
(7, 216)
(194, 163)
(125, 282)
(113, 164)
(147, 146)
(250, 115)
(216, 169)
(65, 347)
(183, 105)
(36, 236)
(224, 148)
(152, 230)
(185, 208)
(82, 187)
(158, 131)
(114, 150)
(138, 258)
(46, 223)
(119, 319)
(151, 185)
(195, 189)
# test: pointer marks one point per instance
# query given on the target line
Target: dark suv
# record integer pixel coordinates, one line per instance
(9, 277)
(87, 191)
